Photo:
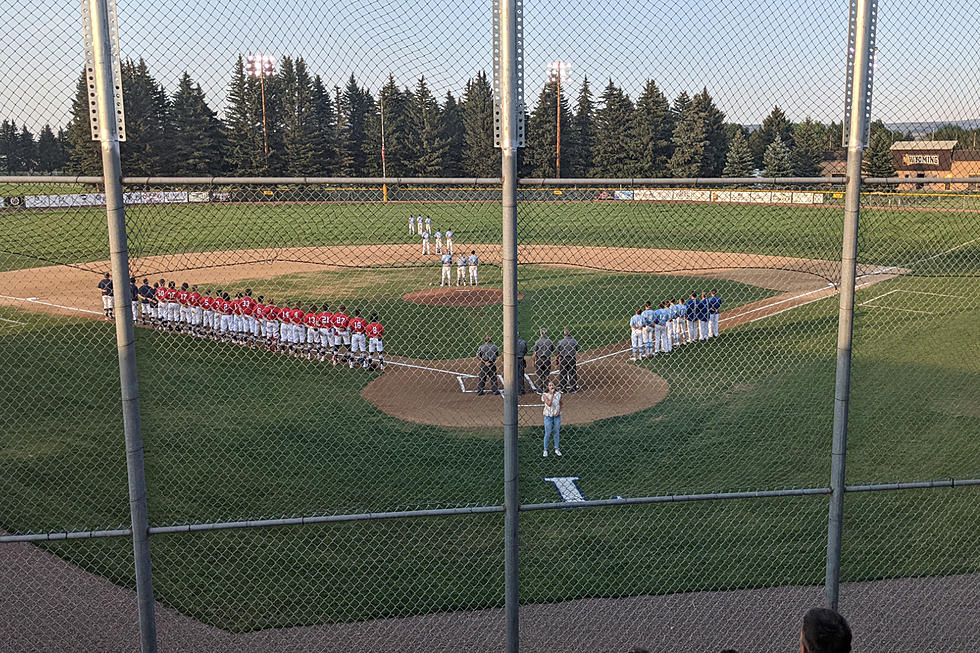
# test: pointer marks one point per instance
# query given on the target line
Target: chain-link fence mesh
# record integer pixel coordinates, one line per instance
(318, 267)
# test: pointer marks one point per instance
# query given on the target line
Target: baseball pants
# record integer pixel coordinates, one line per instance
(648, 341)
(107, 302)
(636, 342)
(446, 276)
(703, 326)
(713, 325)
(473, 276)
(543, 369)
(488, 371)
(425, 245)
(568, 373)
(460, 276)
(438, 246)
(376, 345)
(449, 245)
(521, 370)
(661, 340)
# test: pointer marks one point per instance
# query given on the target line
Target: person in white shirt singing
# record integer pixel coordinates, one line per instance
(552, 417)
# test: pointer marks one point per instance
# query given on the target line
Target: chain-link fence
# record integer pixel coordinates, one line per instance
(349, 365)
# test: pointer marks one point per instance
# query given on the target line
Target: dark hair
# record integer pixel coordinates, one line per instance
(826, 631)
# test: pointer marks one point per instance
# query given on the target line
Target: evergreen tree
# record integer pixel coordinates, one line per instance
(196, 135)
(84, 155)
(878, 161)
(356, 105)
(426, 145)
(8, 147)
(298, 118)
(652, 132)
(451, 124)
(808, 155)
(146, 150)
(541, 139)
(833, 145)
(582, 141)
(395, 103)
(777, 160)
(775, 124)
(243, 126)
(480, 157)
(325, 157)
(681, 104)
(739, 161)
(49, 157)
(699, 140)
(26, 150)
(614, 120)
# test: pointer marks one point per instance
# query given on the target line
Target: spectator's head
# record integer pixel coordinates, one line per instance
(568, 333)
(824, 631)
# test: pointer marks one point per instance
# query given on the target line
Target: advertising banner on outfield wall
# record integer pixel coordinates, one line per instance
(624, 194)
(199, 196)
(64, 201)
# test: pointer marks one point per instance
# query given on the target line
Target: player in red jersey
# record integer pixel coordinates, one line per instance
(325, 322)
(159, 303)
(357, 334)
(375, 333)
(297, 316)
(249, 323)
(207, 309)
(341, 334)
(183, 295)
(227, 311)
(312, 321)
(194, 302)
(173, 308)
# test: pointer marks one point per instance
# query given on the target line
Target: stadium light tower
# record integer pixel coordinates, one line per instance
(557, 70)
(262, 66)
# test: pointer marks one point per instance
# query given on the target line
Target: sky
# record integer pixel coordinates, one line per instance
(749, 54)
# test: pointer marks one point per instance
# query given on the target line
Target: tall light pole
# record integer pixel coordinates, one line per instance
(261, 66)
(557, 70)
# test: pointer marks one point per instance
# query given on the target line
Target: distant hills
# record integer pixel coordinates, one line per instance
(919, 129)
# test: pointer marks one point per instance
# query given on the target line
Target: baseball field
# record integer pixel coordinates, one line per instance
(234, 433)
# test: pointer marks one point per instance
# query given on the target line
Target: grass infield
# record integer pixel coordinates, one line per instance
(232, 433)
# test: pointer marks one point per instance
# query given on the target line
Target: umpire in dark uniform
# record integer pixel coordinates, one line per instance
(487, 354)
(543, 349)
(521, 365)
(568, 372)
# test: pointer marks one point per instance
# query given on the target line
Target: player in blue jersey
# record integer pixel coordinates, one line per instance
(702, 311)
(714, 308)
(447, 263)
(681, 309)
(661, 337)
(691, 315)
(647, 316)
(636, 336)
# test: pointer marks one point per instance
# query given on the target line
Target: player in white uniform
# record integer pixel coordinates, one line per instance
(428, 225)
(636, 336)
(411, 225)
(418, 225)
(449, 240)
(447, 263)
(473, 260)
(425, 242)
(438, 236)
(461, 270)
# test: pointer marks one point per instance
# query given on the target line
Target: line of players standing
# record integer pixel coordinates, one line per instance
(257, 322)
(673, 323)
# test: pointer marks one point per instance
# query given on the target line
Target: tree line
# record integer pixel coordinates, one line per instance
(311, 129)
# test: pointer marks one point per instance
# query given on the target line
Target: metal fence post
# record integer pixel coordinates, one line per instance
(508, 18)
(861, 37)
(108, 136)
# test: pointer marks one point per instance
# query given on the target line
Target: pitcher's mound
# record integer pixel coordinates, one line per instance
(442, 393)
(456, 296)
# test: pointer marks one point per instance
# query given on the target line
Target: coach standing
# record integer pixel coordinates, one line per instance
(568, 372)
(487, 355)
(521, 364)
(714, 308)
(543, 349)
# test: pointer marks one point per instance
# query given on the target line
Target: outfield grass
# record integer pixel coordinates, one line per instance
(889, 237)
(233, 433)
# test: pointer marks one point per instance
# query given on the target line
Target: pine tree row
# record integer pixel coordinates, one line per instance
(305, 128)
